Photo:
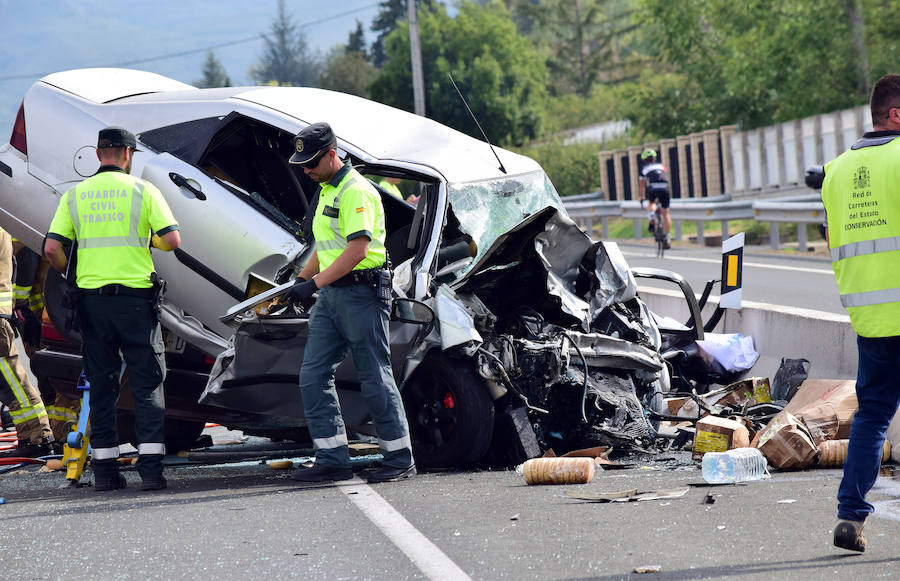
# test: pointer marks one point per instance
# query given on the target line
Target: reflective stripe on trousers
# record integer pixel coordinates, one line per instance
(110, 453)
(151, 448)
(394, 445)
(335, 441)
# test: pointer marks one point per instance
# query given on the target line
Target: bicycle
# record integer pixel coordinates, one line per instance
(659, 229)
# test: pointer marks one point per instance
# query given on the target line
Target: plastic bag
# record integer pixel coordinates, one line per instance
(735, 352)
(791, 373)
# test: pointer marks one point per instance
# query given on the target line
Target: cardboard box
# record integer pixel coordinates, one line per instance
(816, 400)
(893, 436)
(750, 391)
(716, 434)
(786, 443)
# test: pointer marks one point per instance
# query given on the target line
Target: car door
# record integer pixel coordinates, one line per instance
(225, 237)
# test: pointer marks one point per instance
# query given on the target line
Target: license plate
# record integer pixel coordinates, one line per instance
(174, 343)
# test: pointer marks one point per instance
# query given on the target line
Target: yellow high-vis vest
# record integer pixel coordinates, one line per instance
(351, 207)
(111, 215)
(861, 194)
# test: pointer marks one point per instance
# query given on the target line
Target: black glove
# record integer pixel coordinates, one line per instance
(31, 329)
(302, 290)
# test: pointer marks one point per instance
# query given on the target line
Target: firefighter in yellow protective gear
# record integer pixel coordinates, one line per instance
(24, 401)
(28, 294)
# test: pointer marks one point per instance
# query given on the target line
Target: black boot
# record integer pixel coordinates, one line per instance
(30, 449)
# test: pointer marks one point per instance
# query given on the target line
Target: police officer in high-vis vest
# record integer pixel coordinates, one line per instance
(24, 400)
(861, 193)
(114, 218)
(348, 271)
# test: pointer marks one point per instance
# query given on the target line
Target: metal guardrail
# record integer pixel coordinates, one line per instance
(585, 212)
(798, 209)
(699, 210)
(805, 210)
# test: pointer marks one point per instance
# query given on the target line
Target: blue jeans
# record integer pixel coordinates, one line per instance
(878, 392)
(351, 318)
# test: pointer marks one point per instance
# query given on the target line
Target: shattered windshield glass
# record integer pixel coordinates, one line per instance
(486, 209)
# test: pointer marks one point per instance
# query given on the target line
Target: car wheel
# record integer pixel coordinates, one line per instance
(180, 434)
(451, 416)
(59, 300)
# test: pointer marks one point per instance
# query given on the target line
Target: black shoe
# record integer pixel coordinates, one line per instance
(104, 484)
(29, 450)
(388, 474)
(666, 246)
(651, 226)
(157, 483)
(319, 473)
(848, 534)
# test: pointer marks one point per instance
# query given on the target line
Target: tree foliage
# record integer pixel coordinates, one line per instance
(587, 41)
(390, 14)
(287, 59)
(501, 74)
(214, 74)
(347, 72)
(751, 63)
(357, 40)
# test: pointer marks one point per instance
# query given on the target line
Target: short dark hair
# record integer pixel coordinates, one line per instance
(885, 96)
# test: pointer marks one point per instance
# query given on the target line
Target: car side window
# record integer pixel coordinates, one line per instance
(247, 157)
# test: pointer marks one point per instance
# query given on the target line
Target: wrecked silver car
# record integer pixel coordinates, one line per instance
(539, 342)
(538, 339)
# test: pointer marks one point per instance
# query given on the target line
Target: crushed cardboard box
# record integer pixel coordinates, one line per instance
(786, 443)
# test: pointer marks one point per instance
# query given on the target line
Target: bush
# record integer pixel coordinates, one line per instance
(573, 169)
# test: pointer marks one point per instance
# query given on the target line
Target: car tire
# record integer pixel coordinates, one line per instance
(450, 413)
(179, 435)
(59, 301)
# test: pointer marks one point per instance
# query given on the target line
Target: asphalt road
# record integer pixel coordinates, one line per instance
(781, 278)
(247, 521)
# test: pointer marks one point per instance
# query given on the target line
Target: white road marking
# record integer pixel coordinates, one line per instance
(422, 552)
(746, 264)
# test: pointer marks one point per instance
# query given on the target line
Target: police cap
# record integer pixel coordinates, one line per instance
(311, 141)
(116, 137)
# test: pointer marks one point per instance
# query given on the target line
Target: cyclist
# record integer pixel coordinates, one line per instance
(654, 187)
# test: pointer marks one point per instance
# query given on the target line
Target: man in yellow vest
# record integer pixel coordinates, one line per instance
(349, 272)
(114, 217)
(25, 406)
(861, 193)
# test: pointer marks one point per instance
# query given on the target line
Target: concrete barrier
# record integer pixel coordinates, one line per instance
(825, 339)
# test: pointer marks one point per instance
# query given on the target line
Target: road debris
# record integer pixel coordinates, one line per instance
(559, 470)
(647, 569)
(633, 495)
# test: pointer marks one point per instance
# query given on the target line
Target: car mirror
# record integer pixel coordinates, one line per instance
(411, 311)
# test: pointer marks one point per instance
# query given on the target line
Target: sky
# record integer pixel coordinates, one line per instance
(46, 36)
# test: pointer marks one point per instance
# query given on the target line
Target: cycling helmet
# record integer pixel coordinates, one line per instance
(647, 154)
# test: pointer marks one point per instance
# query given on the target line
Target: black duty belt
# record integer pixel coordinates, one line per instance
(367, 276)
(118, 289)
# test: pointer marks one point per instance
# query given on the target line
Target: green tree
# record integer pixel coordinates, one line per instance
(214, 74)
(287, 59)
(587, 40)
(751, 63)
(390, 14)
(501, 74)
(357, 40)
(348, 72)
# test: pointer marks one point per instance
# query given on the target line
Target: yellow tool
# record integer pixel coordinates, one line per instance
(77, 448)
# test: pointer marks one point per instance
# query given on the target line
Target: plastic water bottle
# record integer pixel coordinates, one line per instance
(738, 465)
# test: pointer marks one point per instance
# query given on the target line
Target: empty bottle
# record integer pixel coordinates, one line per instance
(737, 465)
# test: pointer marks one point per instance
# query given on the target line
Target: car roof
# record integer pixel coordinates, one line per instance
(383, 132)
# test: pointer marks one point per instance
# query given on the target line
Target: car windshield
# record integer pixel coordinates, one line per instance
(486, 209)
